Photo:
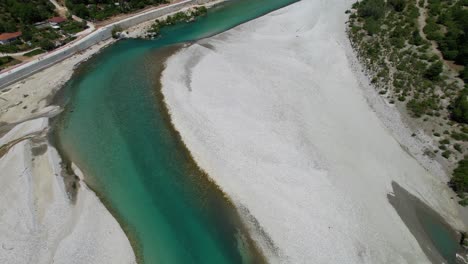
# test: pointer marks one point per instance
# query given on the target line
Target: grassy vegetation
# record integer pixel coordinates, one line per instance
(7, 61)
(403, 66)
(459, 181)
(178, 17)
(102, 9)
(72, 27)
(34, 53)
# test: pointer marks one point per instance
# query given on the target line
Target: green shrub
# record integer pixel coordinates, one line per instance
(433, 71)
(446, 154)
(416, 38)
(46, 44)
(420, 107)
(372, 8)
(459, 136)
(116, 32)
(398, 5)
(444, 142)
(459, 181)
(459, 108)
(372, 26)
(34, 52)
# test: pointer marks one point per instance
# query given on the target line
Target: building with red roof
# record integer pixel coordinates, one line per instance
(56, 20)
(6, 38)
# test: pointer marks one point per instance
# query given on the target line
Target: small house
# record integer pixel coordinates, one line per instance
(55, 21)
(6, 38)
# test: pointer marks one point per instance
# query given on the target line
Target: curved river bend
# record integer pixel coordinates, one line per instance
(116, 129)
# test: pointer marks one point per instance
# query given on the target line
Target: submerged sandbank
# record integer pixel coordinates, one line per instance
(275, 113)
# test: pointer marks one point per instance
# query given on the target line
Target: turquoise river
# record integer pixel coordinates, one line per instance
(117, 131)
(116, 128)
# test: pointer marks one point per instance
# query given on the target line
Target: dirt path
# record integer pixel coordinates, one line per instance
(61, 10)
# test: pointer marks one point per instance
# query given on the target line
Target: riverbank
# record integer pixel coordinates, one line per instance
(291, 125)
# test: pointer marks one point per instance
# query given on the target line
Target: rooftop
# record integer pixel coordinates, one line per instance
(12, 35)
(57, 20)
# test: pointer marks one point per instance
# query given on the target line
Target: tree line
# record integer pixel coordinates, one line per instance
(15, 14)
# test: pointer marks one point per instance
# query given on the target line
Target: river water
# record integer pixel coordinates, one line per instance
(116, 129)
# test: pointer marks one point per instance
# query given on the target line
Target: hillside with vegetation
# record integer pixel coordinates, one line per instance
(102, 9)
(15, 15)
(415, 52)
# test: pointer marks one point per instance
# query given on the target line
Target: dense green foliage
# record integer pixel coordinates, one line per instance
(398, 5)
(73, 27)
(459, 181)
(449, 27)
(177, 18)
(460, 108)
(102, 9)
(34, 53)
(374, 9)
(433, 71)
(46, 44)
(16, 14)
(7, 61)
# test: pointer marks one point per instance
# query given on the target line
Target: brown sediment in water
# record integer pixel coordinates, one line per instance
(411, 209)
(198, 176)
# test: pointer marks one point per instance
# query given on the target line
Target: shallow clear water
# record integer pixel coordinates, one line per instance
(441, 235)
(118, 133)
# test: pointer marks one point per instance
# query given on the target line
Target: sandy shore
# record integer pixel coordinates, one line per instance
(292, 131)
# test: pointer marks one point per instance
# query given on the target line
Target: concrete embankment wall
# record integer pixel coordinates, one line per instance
(25, 70)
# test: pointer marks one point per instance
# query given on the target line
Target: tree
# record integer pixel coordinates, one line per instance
(46, 44)
(398, 5)
(459, 108)
(372, 8)
(26, 33)
(433, 72)
(459, 181)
